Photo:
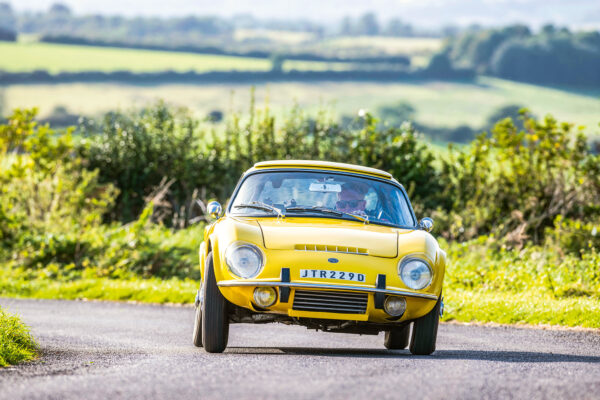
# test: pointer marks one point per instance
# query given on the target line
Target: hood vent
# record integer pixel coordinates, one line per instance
(332, 249)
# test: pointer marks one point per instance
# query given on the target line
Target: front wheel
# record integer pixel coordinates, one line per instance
(397, 339)
(424, 332)
(215, 321)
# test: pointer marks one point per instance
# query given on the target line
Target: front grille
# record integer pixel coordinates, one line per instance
(332, 249)
(330, 301)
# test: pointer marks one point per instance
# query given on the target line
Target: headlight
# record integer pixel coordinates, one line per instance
(244, 259)
(415, 273)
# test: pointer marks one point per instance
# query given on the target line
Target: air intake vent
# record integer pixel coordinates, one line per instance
(330, 301)
(332, 249)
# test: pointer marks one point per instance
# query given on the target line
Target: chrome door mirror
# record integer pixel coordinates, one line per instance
(426, 224)
(214, 209)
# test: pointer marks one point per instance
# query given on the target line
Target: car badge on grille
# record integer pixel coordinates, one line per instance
(333, 260)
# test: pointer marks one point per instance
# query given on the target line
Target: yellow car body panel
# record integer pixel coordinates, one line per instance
(301, 243)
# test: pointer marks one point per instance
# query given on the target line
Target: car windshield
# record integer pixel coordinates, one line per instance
(322, 194)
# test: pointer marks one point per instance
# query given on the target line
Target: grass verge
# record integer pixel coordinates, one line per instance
(16, 343)
(521, 308)
(153, 290)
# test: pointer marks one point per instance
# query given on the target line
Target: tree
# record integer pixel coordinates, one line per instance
(7, 35)
(7, 18)
(439, 66)
(512, 111)
(346, 27)
(397, 113)
(60, 9)
(277, 61)
(396, 27)
(368, 25)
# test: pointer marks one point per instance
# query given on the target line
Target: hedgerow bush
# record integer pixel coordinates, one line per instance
(53, 209)
(138, 152)
(515, 183)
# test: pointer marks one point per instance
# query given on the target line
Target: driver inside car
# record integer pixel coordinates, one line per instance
(351, 200)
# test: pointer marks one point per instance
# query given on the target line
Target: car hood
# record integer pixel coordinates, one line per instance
(330, 235)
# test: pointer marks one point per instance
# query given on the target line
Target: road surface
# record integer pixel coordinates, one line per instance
(103, 350)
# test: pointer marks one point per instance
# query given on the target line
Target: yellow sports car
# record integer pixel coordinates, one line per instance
(330, 246)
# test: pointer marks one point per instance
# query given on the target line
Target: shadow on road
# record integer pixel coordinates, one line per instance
(480, 355)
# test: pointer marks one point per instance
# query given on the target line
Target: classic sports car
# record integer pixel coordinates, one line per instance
(330, 246)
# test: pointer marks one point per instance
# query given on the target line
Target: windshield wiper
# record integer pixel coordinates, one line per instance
(258, 205)
(364, 219)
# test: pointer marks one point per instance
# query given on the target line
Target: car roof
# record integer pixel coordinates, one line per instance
(326, 165)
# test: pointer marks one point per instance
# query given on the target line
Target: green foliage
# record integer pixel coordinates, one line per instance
(52, 210)
(397, 113)
(16, 343)
(488, 264)
(16, 282)
(140, 248)
(515, 183)
(512, 111)
(574, 236)
(137, 152)
(520, 308)
(553, 56)
(474, 49)
(45, 188)
(488, 281)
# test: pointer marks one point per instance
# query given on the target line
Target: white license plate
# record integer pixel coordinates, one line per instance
(326, 274)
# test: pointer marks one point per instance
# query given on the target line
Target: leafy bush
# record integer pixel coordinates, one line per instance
(574, 236)
(140, 248)
(136, 152)
(44, 187)
(515, 183)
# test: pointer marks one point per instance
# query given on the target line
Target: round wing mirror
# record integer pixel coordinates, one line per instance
(214, 209)
(426, 224)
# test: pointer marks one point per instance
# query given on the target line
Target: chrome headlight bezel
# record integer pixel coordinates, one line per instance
(402, 264)
(230, 261)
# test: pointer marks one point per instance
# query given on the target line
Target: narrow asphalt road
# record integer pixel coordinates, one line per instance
(97, 350)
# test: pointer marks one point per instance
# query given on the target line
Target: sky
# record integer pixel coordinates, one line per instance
(426, 13)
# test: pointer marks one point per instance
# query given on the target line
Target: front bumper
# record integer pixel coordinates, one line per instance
(240, 292)
(354, 288)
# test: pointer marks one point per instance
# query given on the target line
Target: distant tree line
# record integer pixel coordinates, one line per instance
(368, 25)
(60, 20)
(552, 56)
(42, 76)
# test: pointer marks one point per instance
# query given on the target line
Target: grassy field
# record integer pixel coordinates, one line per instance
(16, 344)
(391, 45)
(438, 104)
(30, 56)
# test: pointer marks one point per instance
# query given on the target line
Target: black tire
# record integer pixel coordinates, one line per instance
(215, 321)
(424, 333)
(197, 337)
(397, 339)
